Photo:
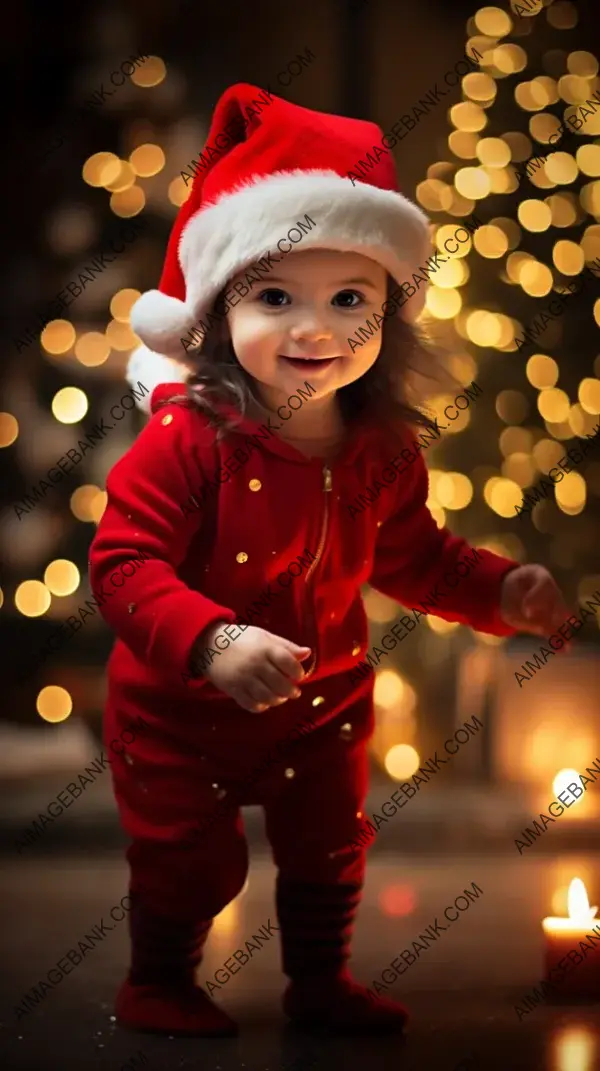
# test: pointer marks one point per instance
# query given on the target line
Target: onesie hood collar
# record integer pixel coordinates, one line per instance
(364, 432)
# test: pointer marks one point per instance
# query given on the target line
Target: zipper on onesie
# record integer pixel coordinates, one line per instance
(327, 487)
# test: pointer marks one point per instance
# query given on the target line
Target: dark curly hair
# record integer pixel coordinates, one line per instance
(384, 396)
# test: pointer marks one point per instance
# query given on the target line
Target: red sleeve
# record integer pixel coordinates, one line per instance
(413, 556)
(144, 519)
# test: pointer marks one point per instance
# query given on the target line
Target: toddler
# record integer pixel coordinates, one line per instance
(236, 640)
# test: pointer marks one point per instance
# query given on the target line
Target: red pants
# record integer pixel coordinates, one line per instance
(164, 791)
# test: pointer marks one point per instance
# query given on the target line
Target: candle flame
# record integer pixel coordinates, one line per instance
(578, 903)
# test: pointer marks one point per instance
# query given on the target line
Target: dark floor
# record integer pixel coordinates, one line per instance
(461, 991)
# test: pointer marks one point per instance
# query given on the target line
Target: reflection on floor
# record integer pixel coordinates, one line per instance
(462, 988)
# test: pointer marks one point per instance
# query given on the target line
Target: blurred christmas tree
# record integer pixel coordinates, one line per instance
(102, 221)
(524, 157)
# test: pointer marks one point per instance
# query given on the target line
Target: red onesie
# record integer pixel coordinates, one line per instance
(250, 530)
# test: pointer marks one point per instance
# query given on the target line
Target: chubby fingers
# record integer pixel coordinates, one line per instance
(286, 660)
(276, 680)
(280, 686)
(253, 696)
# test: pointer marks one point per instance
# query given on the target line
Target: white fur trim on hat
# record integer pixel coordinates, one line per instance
(247, 223)
(160, 320)
(151, 369)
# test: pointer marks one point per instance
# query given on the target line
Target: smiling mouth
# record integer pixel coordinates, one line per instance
(312, 363)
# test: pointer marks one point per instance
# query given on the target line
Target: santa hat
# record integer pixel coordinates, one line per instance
(266, 165)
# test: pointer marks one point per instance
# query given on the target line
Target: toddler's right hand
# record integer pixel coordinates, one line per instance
(256, 668)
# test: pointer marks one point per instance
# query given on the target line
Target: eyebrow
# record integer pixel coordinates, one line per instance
(345, 282)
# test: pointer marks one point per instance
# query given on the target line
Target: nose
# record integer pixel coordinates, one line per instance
(310, 328)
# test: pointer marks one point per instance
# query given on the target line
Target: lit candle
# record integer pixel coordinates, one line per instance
(576, 974)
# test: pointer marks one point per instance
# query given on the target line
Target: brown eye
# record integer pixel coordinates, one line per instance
(273, 297)
(344, 295)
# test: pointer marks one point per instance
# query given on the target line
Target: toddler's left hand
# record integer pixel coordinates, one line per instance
(531, 601)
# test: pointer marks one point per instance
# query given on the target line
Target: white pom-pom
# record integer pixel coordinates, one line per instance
(161, 322)
(151, 369)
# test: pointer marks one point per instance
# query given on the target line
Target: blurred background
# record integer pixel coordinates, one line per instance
(91, 159)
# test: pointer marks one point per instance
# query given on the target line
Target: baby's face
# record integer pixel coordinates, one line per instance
(295, 323)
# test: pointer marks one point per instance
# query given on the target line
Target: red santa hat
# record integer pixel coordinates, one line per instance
(268, 163)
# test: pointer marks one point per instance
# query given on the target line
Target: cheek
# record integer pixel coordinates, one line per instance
(368, 353)
(252, 338)
(244, 330)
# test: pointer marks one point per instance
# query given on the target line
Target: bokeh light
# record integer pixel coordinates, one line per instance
(493, 21)
(101, 168)
(472, 182)
(32, 598)
(397, 900)
(443, 304)
(54, 703)
(122, 303)
(554, 404)
(534, 215)
(490, 241)
(542, 371)
(389, 688)
(92, 349)
(561, 168)
(69, 405)
(62, 577)
(9, 429)
(149, 73)
(589, 395)
(563, 779)
(536, 279)
(147, 160)
(87, 503)
(128, 202)
(402, 761)
(468, 116)
(58, 337)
